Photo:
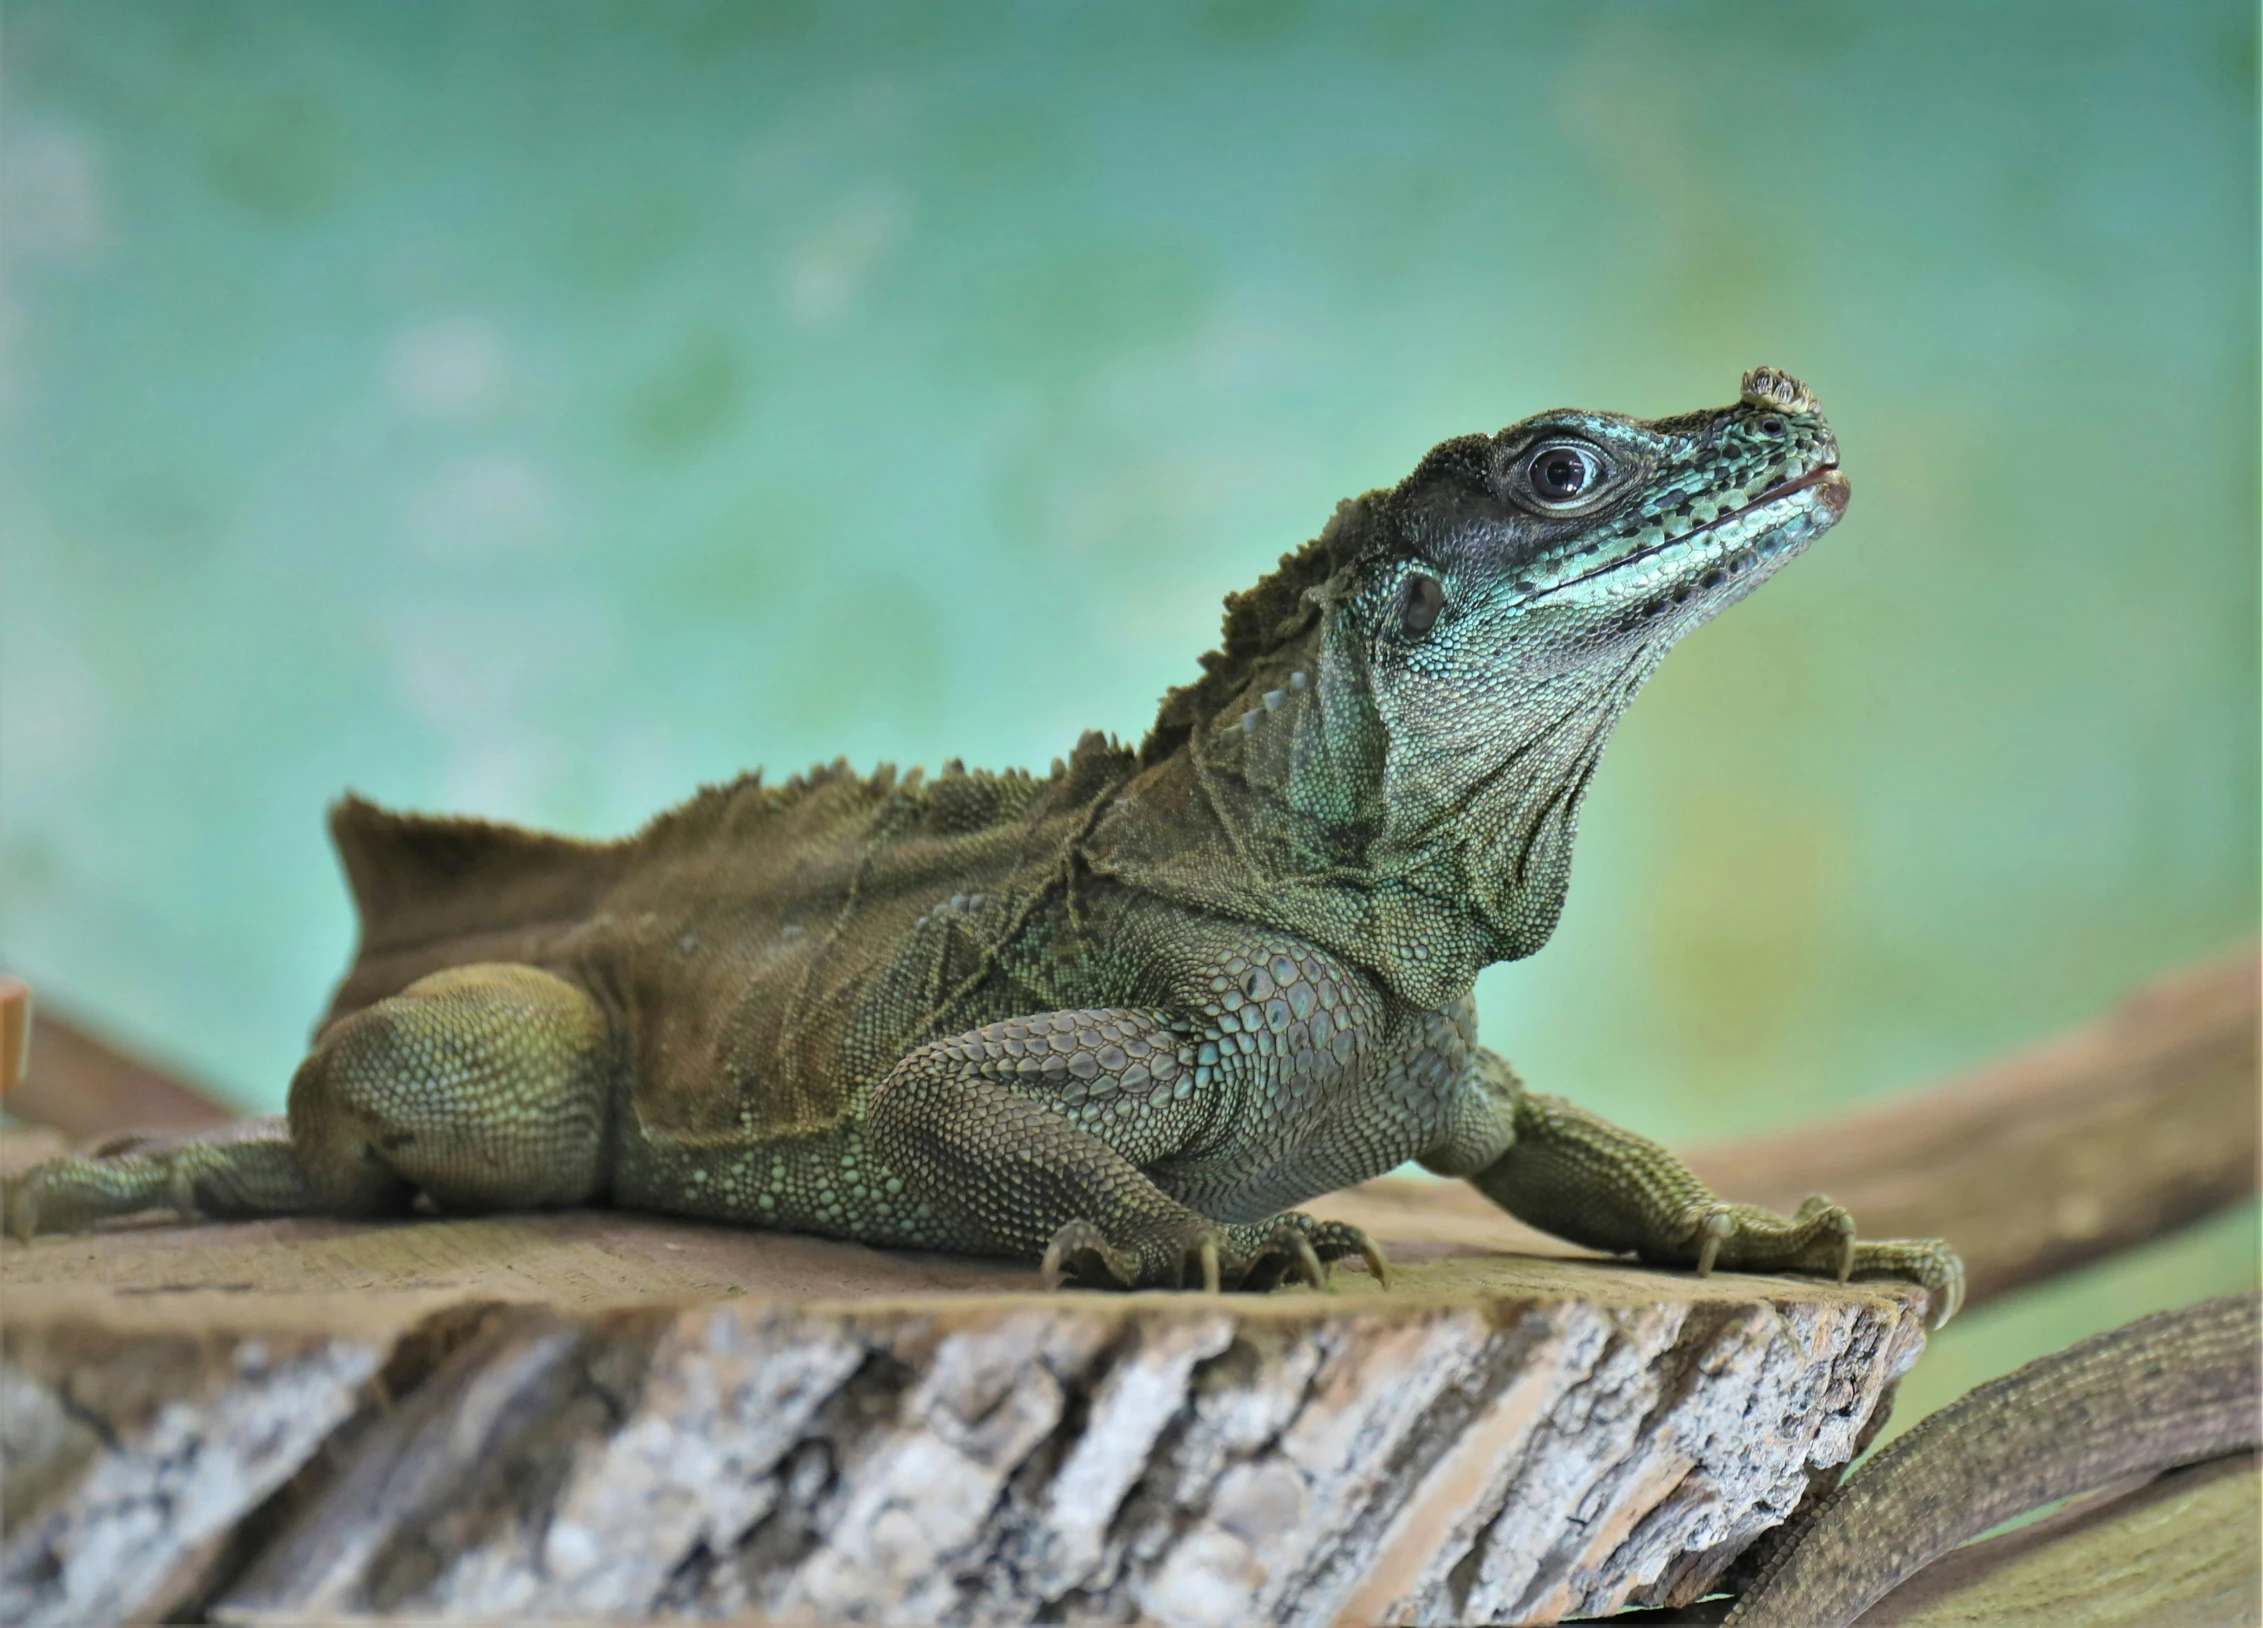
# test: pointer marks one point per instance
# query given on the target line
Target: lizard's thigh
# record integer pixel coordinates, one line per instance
(483, 1086)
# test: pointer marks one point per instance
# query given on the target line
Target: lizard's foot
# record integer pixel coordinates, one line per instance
(1820, 1238)
(1252, 1256)
(247, 1168)
(71, 1193)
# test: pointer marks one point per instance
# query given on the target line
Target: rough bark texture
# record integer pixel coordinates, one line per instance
(1499, 1438)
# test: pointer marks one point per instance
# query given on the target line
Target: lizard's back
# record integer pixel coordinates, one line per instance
(764, 953)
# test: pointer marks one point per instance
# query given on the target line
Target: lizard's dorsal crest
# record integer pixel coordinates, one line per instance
(1282, 606)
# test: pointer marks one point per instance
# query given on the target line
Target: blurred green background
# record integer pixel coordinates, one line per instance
(537, 410)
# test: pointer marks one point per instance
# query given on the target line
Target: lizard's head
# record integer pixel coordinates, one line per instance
(1411, 707)
(1515, 590)
(1573, 539)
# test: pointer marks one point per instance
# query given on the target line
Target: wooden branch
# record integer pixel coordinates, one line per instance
(2122, 1131)
(2181, 1549)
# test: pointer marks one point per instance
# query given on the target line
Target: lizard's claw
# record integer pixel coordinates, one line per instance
(1929, 1262)
(1338, 1240)
(1081, 1250)
(1252, 1256)
(1206, 1254)
(1818, 1237)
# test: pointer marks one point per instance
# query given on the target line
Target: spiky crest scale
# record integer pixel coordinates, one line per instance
(391, 858)
(1259, 621)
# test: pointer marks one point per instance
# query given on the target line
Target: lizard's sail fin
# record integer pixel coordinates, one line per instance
(433, 892)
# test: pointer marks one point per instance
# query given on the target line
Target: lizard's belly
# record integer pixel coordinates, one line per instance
(1230, 1190)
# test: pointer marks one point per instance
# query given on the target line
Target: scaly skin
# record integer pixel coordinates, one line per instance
(1120, 1019)
(2170, 1389)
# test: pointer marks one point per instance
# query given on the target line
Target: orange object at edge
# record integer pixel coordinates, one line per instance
(15, 1030)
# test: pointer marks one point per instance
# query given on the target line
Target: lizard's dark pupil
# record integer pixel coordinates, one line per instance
(1559, 474)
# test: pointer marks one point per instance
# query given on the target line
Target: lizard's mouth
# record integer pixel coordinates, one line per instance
(1824, 479)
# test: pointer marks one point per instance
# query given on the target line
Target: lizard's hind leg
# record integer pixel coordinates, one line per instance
(482, 1086)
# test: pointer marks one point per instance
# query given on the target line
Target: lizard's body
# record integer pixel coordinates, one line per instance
(757, 1024)
(1121, 1017)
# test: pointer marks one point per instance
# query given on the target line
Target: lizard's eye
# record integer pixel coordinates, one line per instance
(1563, 472)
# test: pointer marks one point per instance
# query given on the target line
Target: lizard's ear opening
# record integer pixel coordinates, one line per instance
(1420, 601)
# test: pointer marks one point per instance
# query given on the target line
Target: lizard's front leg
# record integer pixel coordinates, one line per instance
(1571, 1173)
(1029, 1135)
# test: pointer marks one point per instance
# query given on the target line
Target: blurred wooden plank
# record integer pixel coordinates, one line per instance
(2124, 1130)
(86, 1088)
(15, 1030)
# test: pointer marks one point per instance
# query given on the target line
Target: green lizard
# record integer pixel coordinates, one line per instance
(1118, 1019)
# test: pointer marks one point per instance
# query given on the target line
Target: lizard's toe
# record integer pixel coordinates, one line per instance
(1080, 1252)
(1928, 1262)
(1819, 1237)
(71, 1193)
(19, 1206)
(1281, 1254)
(1336, 1241)
(1295, 1246)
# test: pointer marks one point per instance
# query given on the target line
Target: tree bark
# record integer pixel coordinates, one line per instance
(596, 1415)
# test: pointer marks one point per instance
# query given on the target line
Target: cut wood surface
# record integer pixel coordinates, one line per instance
(608, 1415)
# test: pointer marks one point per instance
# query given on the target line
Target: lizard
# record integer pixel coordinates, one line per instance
(1119, 1019)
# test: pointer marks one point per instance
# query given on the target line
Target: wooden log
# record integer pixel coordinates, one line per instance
(608, 1415)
